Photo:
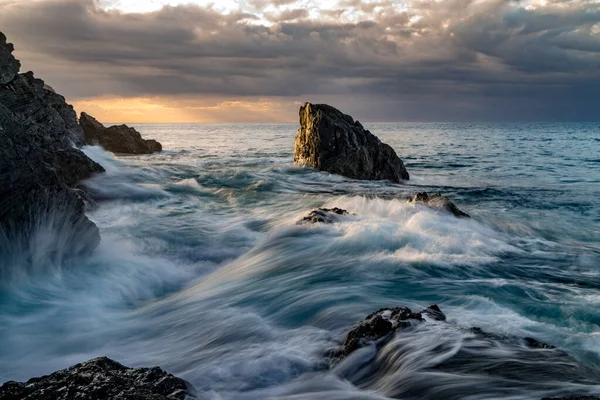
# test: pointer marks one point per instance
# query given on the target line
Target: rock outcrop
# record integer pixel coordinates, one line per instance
(380, 324)
(439, 202)
(323, 215)
(117, 139)
(100, 378)
(40, 167)
(426, 345)
(331, 141)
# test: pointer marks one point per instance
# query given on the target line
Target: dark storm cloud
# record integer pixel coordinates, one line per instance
(456, 59)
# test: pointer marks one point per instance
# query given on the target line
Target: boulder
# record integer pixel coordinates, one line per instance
(117, 139)
(100, 378)
(40, 167)
(323, 215)
(439, 202)
(331, 141)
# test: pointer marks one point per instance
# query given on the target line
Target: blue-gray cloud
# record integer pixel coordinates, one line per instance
(451, 60)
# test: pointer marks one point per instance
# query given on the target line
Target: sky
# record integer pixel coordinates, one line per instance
(259, 60)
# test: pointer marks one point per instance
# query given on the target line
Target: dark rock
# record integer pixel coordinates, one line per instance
(434, 312)
(40, 167)
(378, 325)
(331, 141)
(9, 66)
(323, 215)
(439, 202)
(117, 139)
(153, 146)
(100, 378)
(531, 342)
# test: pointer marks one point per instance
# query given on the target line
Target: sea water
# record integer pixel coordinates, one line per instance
(203, 270)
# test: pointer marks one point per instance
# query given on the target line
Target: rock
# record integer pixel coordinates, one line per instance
(324, 215)
(153, 146)
(439, 202)
(9, 66)
(408, 350)
(40, 168)
(331, 141)
(377, 325)
(100, 378)
(117, 139)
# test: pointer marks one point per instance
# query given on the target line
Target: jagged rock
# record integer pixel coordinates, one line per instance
(118, 138)
(39, 167)
(323, 215)
(100, 378)
(411, 348)
(9, 66)
(439, 202)
(331, 141)
(377, 325)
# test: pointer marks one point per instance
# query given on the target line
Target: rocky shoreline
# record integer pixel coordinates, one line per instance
(103, 378)
(41, 166)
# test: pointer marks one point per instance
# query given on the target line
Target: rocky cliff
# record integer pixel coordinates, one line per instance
(40, 166)
(100, 378)
(332, 141)
(118, 138)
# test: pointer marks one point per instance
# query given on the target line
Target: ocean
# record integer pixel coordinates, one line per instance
(203, 270)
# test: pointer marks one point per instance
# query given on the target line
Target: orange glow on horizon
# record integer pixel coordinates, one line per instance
(166, 110)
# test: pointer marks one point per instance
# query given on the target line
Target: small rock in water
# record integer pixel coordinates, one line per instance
(323, 215)
(100, 378)
(440, 202)
(117, 139)
(332, 141)
(376, 326)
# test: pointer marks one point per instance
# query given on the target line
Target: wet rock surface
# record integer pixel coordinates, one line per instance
(439, 202)
(331, 141)
(120, 139)
(323, 215)
(100, 378)
(40, 166)
(424, 345)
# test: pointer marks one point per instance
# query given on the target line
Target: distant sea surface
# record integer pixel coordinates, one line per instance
(203, 271)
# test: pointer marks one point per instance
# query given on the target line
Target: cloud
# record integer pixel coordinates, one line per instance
(415, 60)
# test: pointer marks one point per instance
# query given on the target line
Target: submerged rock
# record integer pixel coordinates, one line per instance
(323, 215)
(382, 324)
(439, 202)
(331, 141)
(100, 378)
(410, 349)
(118, 138)
(40, 167)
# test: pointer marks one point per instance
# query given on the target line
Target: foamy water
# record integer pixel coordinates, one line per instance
(203, 271)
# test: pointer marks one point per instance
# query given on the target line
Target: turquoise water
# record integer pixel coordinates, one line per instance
(203, 271)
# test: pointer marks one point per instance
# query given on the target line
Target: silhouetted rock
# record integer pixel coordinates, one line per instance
(9, 66)
(98, 379)
(331, 141)
(40, 167)
(323, 215)
(439, 202)
(117, 139)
